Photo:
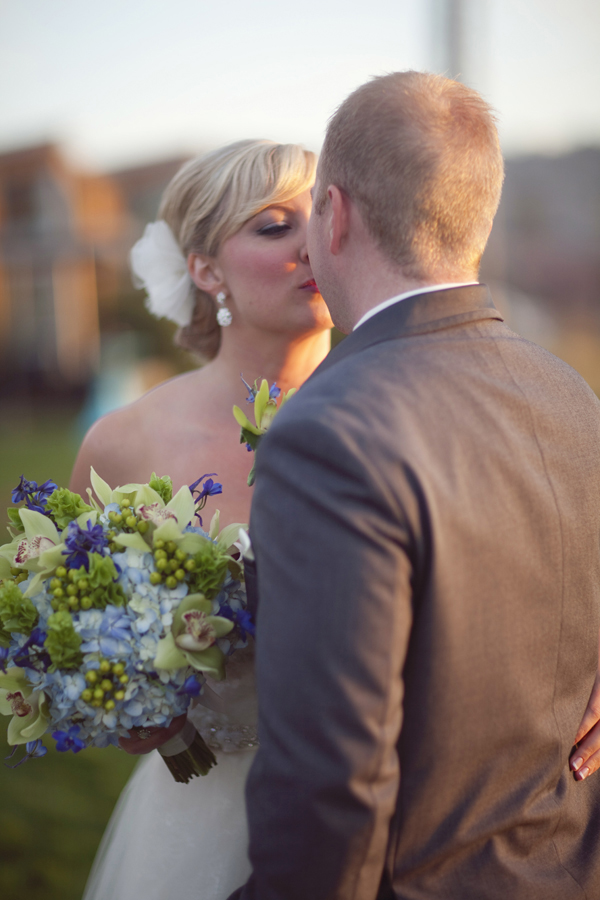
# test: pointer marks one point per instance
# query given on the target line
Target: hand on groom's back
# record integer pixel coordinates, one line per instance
(585, 759)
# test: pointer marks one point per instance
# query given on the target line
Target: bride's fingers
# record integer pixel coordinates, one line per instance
(585, 759)
(154, 737)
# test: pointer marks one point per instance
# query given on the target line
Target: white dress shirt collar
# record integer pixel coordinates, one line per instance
(422, 290)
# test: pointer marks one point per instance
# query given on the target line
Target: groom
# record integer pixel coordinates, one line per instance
(426, 528)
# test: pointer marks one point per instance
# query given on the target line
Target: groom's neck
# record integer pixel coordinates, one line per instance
(368, 279)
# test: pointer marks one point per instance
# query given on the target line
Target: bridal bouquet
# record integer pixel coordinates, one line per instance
(112, 612)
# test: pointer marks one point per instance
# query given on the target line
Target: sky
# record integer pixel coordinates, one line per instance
(128, 81)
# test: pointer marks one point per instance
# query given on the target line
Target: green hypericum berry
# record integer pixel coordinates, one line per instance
(63, 607)
(83, 585)
(190, 565)
(125, 504)
(124, 679)
(118, 669)
(98, 694)
(14, 572)
(118, 518)
(171, 582)
(119, 695)
(162, 564)
(171, 547)
(173, 565)
(159, 545)
(131, 521)
(155, 578)
(143, 527)
(110, 704)
(74, 603)
(87, 695)
(91, 676)
(72, 590)
(86, 602)
(58, 593)
(55, 583)
(106, 685)
(61, 572)
(71, 574)
(180, 574)
(160, 554)
(180, 555)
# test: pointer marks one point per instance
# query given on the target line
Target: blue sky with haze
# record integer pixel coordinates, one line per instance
(124, 81)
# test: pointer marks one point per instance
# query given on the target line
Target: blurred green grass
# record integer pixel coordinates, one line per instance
(52, 810)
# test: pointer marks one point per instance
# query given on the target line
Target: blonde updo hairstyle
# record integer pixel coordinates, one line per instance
(209, 200)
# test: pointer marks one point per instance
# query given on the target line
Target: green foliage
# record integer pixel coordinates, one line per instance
(163, 487)
(66, 506)
(211, 566)
(102, 570)
(17, 613)
(102, 578)
(15, 519)
(63, 642)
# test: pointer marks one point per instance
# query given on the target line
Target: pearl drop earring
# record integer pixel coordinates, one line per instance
(223, 313)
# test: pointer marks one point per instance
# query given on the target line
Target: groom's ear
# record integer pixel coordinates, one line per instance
(205, 273)
(339, 218)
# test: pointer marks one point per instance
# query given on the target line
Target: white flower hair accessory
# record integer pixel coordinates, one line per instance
(159, 266)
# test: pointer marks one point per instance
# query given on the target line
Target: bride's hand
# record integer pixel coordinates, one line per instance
(585, 759)
(157, 737)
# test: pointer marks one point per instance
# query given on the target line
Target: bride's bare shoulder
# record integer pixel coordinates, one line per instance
(117, 444)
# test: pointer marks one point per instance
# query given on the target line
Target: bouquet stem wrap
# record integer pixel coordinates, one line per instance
(187, 754)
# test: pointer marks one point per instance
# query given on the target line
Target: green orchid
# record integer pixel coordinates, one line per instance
(149, 504)
(40, 548)
(192, 639)
(29, 709)
(265, 409)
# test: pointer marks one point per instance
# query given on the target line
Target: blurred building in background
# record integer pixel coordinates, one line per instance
(543, 257)
(65, 236)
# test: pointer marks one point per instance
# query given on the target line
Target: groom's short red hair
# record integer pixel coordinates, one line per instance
(419, 155)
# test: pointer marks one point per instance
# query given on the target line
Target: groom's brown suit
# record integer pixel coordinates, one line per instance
(426, 526)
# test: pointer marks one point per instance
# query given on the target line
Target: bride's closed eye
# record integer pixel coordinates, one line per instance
(274, 229)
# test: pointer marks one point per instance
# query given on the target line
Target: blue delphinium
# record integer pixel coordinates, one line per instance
(79, 541)
(208, 489)
(274, 391)
(68, 740)
(33, 496)
(191, 686)
(32, 749)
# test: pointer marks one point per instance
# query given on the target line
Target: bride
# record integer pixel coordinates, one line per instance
(227, 262)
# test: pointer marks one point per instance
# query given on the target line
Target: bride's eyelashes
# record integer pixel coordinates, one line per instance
(274, 229)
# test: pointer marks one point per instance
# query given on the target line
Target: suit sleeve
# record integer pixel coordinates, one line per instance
(334, 620)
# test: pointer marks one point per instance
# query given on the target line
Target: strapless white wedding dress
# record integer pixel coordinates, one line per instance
(186, 841)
